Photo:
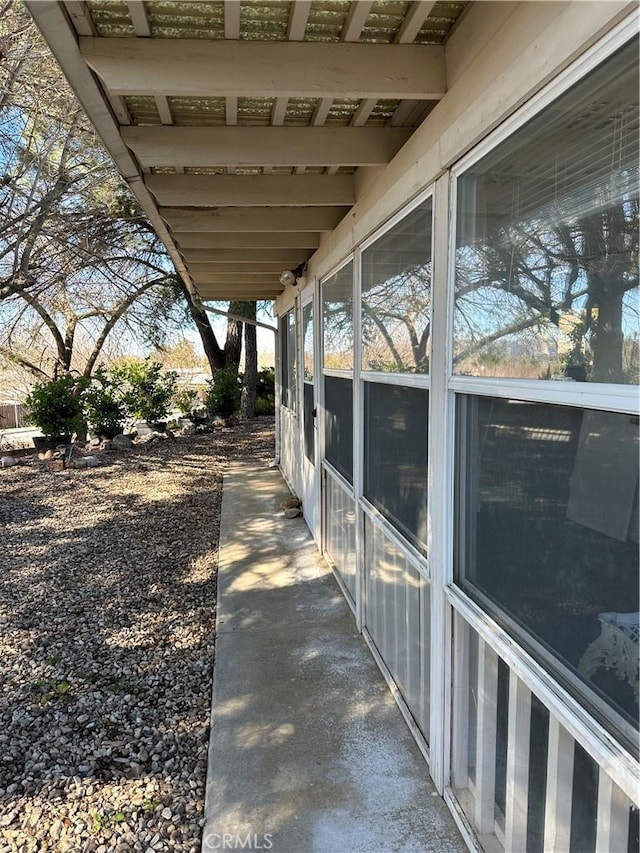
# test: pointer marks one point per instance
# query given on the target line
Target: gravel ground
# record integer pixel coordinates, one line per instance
(107, 597)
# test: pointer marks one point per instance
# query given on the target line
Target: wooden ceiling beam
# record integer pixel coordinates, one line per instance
(203, 68)
(282, 257)
(252, 190)
(273, 146)
(261, 219)
(217, 295)
(265, 268)
(285, 240)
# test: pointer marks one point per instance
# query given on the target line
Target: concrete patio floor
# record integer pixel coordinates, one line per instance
(308, 749)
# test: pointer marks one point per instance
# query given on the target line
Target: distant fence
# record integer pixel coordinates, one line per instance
(12, 415)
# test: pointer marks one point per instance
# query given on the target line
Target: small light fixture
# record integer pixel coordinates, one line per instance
(290, 277)
(287, 277)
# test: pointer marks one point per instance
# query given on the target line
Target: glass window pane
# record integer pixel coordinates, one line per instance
(309, 418)
(288, 360)
(338, 424)
(307, 341)
(396, 296)
(337, 319)
(547, 514)
(396, 455)
(284, 359)
(547, 240)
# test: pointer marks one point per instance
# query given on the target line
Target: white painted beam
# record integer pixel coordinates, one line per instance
(356, 19)
(80, 16)
(253, 218)
(298, 19)
(231, 31)
(203, 68)
(164, 110)
(139, 18)
(252, 190)
(232, 292)
(363, 112)
(254, 240)
(282, 257)
(245, 279)
(272, 146)
(418, 13)
(236, 268)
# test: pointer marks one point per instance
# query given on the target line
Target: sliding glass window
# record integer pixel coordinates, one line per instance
(547, 240)
(288, 360)
(396, 296)
(546, 287)
(338, 360)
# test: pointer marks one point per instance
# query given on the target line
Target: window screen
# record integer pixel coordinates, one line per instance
(547, 506)
(338, 423)
(395, 456)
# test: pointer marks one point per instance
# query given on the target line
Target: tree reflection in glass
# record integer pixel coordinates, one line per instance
(547, 240)
(396, 296)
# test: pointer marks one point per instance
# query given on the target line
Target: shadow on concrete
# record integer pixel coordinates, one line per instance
(308, 749)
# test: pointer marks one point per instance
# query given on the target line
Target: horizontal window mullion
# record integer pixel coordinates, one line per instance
(606, 398)
(337, 476)
(420, 562)
(410, 380)
(339, 373)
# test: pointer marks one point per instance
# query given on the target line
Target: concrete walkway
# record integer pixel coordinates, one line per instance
(308, 750)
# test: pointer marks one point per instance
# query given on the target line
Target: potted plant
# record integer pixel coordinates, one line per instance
(147, 391)
(55, 407)
(104, 407)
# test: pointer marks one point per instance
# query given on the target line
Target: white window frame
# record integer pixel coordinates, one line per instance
(622, 768)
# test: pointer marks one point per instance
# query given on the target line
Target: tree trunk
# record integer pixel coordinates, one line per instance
(250, 381)
(608, 338)
(233, 342)
(215, 355)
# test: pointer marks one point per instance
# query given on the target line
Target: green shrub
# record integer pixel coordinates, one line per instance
(55, 407)
(186, 401)
(147, 391)
(223, 393)
(266, 392)
(104, 405)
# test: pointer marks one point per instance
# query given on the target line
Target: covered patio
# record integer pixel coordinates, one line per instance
(308, 750)
(442, 199)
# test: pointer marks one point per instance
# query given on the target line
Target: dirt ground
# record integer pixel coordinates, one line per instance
(107, 618)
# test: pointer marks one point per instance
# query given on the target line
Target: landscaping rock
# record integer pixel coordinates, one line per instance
(291, 502)
(292, 512)
(121, 442)
(8, 462)
(107, 596)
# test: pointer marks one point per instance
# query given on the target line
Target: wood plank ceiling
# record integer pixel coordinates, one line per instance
(247, 121)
